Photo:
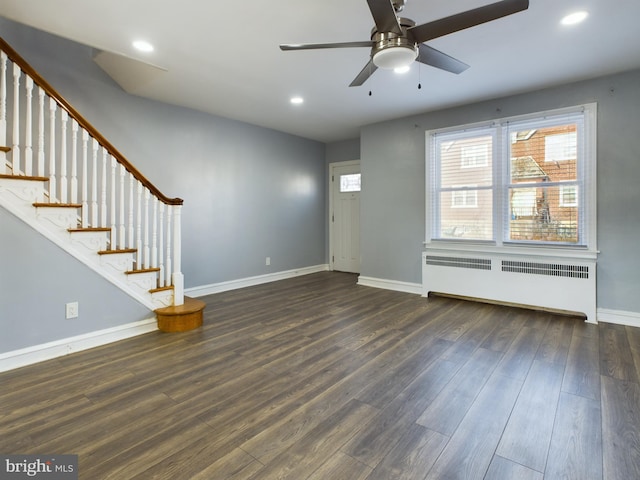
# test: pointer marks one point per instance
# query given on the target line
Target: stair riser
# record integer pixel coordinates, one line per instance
(90, 242)
(59, 217)
(20, 192)
(145, 281)
(162, 299)
(118, 262)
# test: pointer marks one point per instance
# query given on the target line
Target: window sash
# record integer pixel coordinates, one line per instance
(471, 219)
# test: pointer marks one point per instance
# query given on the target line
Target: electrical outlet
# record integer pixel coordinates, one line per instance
(72, 310)
(267, 261)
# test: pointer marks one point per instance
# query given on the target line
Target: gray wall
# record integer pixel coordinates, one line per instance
(249, 192)
(343, 151)
(393, 169)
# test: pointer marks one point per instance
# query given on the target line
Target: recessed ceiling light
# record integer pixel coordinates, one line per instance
(574, 18)
(143, 46)
(297, 100)
(404, 69)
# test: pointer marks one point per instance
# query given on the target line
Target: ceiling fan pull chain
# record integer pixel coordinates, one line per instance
(419, 71)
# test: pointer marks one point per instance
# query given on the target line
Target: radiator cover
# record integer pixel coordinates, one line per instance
(550, 282)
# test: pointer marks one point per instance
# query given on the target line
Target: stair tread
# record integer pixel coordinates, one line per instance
(24, 177)
(143, 270)
(89, 229)
(190, 305)
(111, 252)
(63, 205)
(5, 149)
(161, 289)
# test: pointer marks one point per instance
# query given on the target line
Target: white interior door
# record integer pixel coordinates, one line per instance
(345, 220)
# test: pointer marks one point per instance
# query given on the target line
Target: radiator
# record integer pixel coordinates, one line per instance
(537, 281)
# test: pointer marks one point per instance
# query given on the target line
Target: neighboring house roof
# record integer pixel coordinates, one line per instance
(526, 168)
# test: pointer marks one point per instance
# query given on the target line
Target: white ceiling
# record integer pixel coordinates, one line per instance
(223, 57)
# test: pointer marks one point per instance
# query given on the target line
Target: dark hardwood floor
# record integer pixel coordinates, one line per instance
(319, 378)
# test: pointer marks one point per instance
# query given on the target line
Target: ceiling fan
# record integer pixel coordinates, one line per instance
(397, 42)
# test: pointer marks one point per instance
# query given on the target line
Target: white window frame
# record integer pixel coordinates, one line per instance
(586, 187)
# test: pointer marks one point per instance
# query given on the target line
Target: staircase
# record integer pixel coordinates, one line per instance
(75, 188)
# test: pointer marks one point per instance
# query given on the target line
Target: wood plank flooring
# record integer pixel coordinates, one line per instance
(319, 378)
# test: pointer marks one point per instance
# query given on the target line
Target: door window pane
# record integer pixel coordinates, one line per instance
(350, 183)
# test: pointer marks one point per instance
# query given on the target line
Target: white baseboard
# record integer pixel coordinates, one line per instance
(390, 285)
(620, 317)
(65, 346)
(251, 281)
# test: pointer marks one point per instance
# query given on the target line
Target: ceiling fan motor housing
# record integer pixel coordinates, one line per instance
(391, 50)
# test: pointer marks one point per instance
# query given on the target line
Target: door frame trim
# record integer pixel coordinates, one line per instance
(332, 166)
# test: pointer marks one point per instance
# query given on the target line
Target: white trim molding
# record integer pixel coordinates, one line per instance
(395, 285)
(620, 317)
(65, 346)
(251, 281)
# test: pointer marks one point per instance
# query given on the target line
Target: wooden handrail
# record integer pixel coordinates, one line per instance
(28, 69)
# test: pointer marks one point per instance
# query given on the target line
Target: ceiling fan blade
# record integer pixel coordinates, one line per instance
(435, 58)
(470, 18)
(366, 72)
(384, 16)
(313, 46)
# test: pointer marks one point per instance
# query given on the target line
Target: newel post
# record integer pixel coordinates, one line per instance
(3, 103)
(177, 278)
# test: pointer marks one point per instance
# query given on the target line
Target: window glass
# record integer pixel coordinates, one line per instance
(539, 187)
(465, 185)
(350, 183)
(542, 161)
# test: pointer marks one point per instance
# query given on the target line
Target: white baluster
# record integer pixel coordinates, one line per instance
(168, 271)
(103, 191)
(28, 132)
(130, 229)
(113, 215)
(121, 227)
(85, 186)
(74, 161)
(161, 281)
(41, 157)
(94, 183)
(177, 279)
(3, 106)
(52, 150)
(15, 150)
(64, 186)
(139, 227)
(154, 234)
(145, 245)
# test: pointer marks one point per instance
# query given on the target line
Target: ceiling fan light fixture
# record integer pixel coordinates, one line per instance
(395, 57)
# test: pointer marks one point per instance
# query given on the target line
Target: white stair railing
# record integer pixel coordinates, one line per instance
(110, 192)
